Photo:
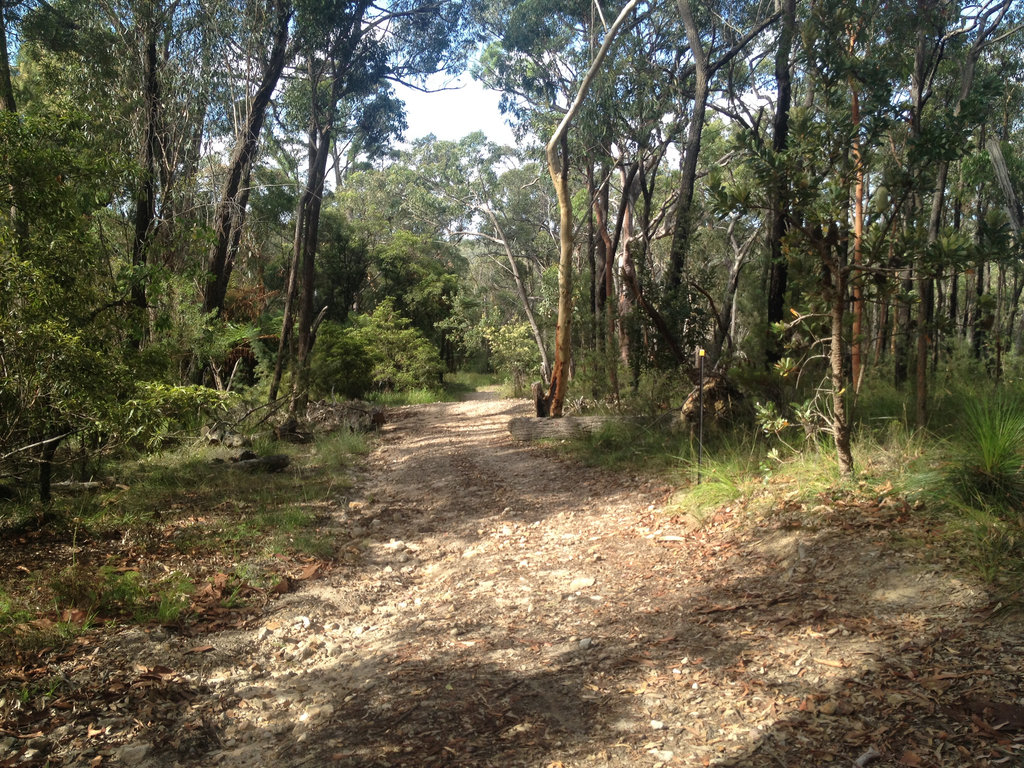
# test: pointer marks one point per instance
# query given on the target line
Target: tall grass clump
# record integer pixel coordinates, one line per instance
(987, 468)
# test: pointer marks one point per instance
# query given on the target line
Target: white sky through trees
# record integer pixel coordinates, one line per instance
(452, 114)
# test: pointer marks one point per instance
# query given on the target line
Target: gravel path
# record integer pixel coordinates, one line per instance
(497, 606)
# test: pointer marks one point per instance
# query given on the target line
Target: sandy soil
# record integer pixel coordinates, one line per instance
(496, 606)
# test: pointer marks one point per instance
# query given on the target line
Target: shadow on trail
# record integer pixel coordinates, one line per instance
(679, 680)
(693, 652)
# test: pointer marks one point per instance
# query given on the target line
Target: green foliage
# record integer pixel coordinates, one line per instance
(402, 357)
(158, 410)
(343, 259)
(62, 365)
(987, 469)
(342, 365)
(416, 275)
(513, 354)
(996, 546)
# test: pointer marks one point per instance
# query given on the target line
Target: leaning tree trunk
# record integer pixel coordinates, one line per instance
(230, 214)
(524, 299)
(688, 181)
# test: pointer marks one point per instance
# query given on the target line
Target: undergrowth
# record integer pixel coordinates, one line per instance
(175, 523)
(970, 473)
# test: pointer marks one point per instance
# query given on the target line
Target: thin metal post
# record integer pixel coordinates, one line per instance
(700, 414)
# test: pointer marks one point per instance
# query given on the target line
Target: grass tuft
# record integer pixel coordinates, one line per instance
(987, 470)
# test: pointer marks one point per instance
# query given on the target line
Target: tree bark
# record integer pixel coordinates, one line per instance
(701, 89)
(288, 319)
(308, 228)
(145, 196)
(7, 103)
(557, 155)
(703, 70)
(835, 268)
(230, 214)
(856, 341)
(1013, 204)
(606, 304)
(777, 265)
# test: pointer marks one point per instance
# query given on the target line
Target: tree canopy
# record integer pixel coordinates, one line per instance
(814, 192)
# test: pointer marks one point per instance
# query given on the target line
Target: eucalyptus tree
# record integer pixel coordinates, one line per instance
(267, 25)
(974, 32)
(143, 74)
(347, 52)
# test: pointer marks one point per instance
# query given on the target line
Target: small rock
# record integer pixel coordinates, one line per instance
(586, 644)
(662, 755)
(657, 725)
(334, 649)
(132, 754)
(581, 582)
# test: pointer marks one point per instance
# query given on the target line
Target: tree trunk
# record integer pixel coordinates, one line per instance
(310, 222)
(684, 203)
(230, 214)
(7, 103)
(901, 330)
(832, 254)
(49, 450)
(703, 70)
(726, 312)
(288, 319)
(606, 303)
(1013, 203)
(558, 166)
(524, 299)
(557, 155)
(777, 265)
(858, 238)
(145, 196)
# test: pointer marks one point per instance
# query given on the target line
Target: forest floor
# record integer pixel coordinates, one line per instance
(494, 604)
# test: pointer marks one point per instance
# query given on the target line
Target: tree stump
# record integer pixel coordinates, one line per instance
(540, 399)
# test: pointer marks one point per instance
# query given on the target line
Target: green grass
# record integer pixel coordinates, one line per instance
(632, 444)
(987, 469)
(409, 397)
(139, 552)
(455, 387)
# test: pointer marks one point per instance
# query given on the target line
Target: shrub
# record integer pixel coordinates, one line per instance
(401, 356)
(513, 354)
(341, 365)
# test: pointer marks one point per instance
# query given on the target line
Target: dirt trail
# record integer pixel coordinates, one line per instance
(496, 606)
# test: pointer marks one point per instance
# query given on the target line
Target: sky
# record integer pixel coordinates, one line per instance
(452, 114)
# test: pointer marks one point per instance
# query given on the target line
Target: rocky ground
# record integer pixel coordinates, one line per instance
(493, 605)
